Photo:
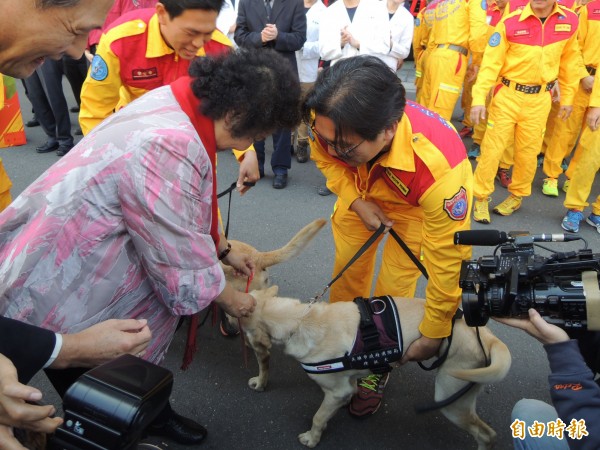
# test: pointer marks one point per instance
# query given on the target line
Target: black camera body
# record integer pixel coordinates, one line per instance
(110, 406)
(509, 284)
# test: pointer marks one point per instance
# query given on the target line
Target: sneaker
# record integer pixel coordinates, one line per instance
(367, 399)
(503, 177)
(508, 206)
(474, 151)
(226, 328)
(566, 184)
(324, 191)
(550, 187)
(564, 165)
(481, 212)
(571, 221)
(466, 132)
(594, 220)
(302, 152)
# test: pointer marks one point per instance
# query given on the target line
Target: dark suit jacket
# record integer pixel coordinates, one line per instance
(28, 347)
(287, 15)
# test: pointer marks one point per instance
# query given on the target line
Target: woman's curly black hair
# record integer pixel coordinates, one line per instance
(257, 89)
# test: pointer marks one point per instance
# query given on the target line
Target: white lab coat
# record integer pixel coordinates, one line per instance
(228, 17)
(371, 27)
(402, 26)
(308, 56)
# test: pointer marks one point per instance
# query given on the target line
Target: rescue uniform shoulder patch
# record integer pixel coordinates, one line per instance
(98, 69)
(494, 40)
(484, 5)
(456, 207)
(417, 22)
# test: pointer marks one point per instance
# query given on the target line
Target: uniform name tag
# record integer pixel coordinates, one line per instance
(522, 33)
(397, 182)
(144, 74)
(562, 27)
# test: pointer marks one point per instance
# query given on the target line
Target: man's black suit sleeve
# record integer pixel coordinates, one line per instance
(28, 347)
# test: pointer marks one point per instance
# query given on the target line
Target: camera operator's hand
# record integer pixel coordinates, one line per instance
(421, 349)
(102, 342)
(236, 303)
(537, 327)
(371, 214)
(16, 412)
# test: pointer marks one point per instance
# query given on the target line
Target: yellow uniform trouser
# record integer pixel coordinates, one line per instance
(550, 126)
(512, 113)
(564, 134)
(5, 185)
(302, 130)
(444, 76)
(465, 102)
(420, 75)
(585, 172)
(398, 274)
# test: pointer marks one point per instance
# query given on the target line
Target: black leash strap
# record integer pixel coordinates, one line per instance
(410, 254)
(229, 190)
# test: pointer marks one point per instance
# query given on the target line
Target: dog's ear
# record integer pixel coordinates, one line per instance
(272, 291)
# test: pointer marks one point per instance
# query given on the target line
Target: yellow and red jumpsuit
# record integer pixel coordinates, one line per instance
(5, 183)
(132, 58)
(588, 162)
(528, 56)
(423, 183)
(459, 27)
(563, 134)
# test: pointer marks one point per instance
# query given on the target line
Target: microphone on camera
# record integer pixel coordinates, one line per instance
(481, 237)
(559, 237)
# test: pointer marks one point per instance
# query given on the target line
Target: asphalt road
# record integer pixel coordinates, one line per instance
(214, 390)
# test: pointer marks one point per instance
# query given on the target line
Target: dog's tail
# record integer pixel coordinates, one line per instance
(292, 248)
(500, 361)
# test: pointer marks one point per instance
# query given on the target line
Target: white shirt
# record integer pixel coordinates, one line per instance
(371, 27)
(402, 28)
(308, 56)
(228, 17)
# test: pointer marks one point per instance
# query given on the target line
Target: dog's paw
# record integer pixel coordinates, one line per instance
(254, 383)
(308, 440)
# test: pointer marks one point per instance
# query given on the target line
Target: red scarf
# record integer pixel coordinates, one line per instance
(205, 127)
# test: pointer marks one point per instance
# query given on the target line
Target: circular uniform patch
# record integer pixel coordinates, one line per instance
(494, 39)
(417, 22)
(484, 5)
(98, 69)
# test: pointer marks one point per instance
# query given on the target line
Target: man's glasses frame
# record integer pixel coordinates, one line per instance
(342, 153)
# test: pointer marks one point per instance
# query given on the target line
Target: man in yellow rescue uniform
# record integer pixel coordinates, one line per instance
(528, 51)
(391, 162)
(459, 26)
(586, 169)
(421, 48)
(146, 49)
(565, 132)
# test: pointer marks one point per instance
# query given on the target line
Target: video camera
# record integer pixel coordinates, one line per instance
(110, 406)
(563, 287)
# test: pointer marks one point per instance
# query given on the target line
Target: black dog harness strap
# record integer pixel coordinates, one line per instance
(378, 340)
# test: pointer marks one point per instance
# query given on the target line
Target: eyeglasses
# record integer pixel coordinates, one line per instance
(342, 153)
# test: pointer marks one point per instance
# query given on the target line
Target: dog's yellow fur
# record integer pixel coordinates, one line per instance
(322, 331)
(264, 260)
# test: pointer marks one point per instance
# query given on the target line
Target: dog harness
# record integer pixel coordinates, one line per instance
(378, 340)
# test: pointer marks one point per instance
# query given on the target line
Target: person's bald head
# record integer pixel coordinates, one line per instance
(32, 30)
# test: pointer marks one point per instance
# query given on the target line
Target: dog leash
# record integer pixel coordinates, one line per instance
(229, 191)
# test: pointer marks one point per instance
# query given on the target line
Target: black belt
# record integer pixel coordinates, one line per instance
(456, 48)
(528, 89)
(591, 70)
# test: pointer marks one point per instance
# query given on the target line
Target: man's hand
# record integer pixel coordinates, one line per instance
(421, 349)
(236, 303)
(269, 33)
(248, 171)
(345, 36)
(477, 114)
(16, 412)
(593, 118)
(537, 327)
(472, 72)
(587, 83)
(564, 112)
(371, 214)
(555, 92)
(102, 342)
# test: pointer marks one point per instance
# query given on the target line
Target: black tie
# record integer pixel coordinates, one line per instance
(268, 6)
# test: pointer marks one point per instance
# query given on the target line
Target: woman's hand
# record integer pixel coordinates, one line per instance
(240, 261)
(236, 303)
(371, 214)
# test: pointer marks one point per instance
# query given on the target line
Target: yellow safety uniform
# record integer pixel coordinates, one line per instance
(5, 183)
(421, 44)
(423, 183)
(588, 164)
(132, 58)
(459, 27)
(564, 133)
(527, 56)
